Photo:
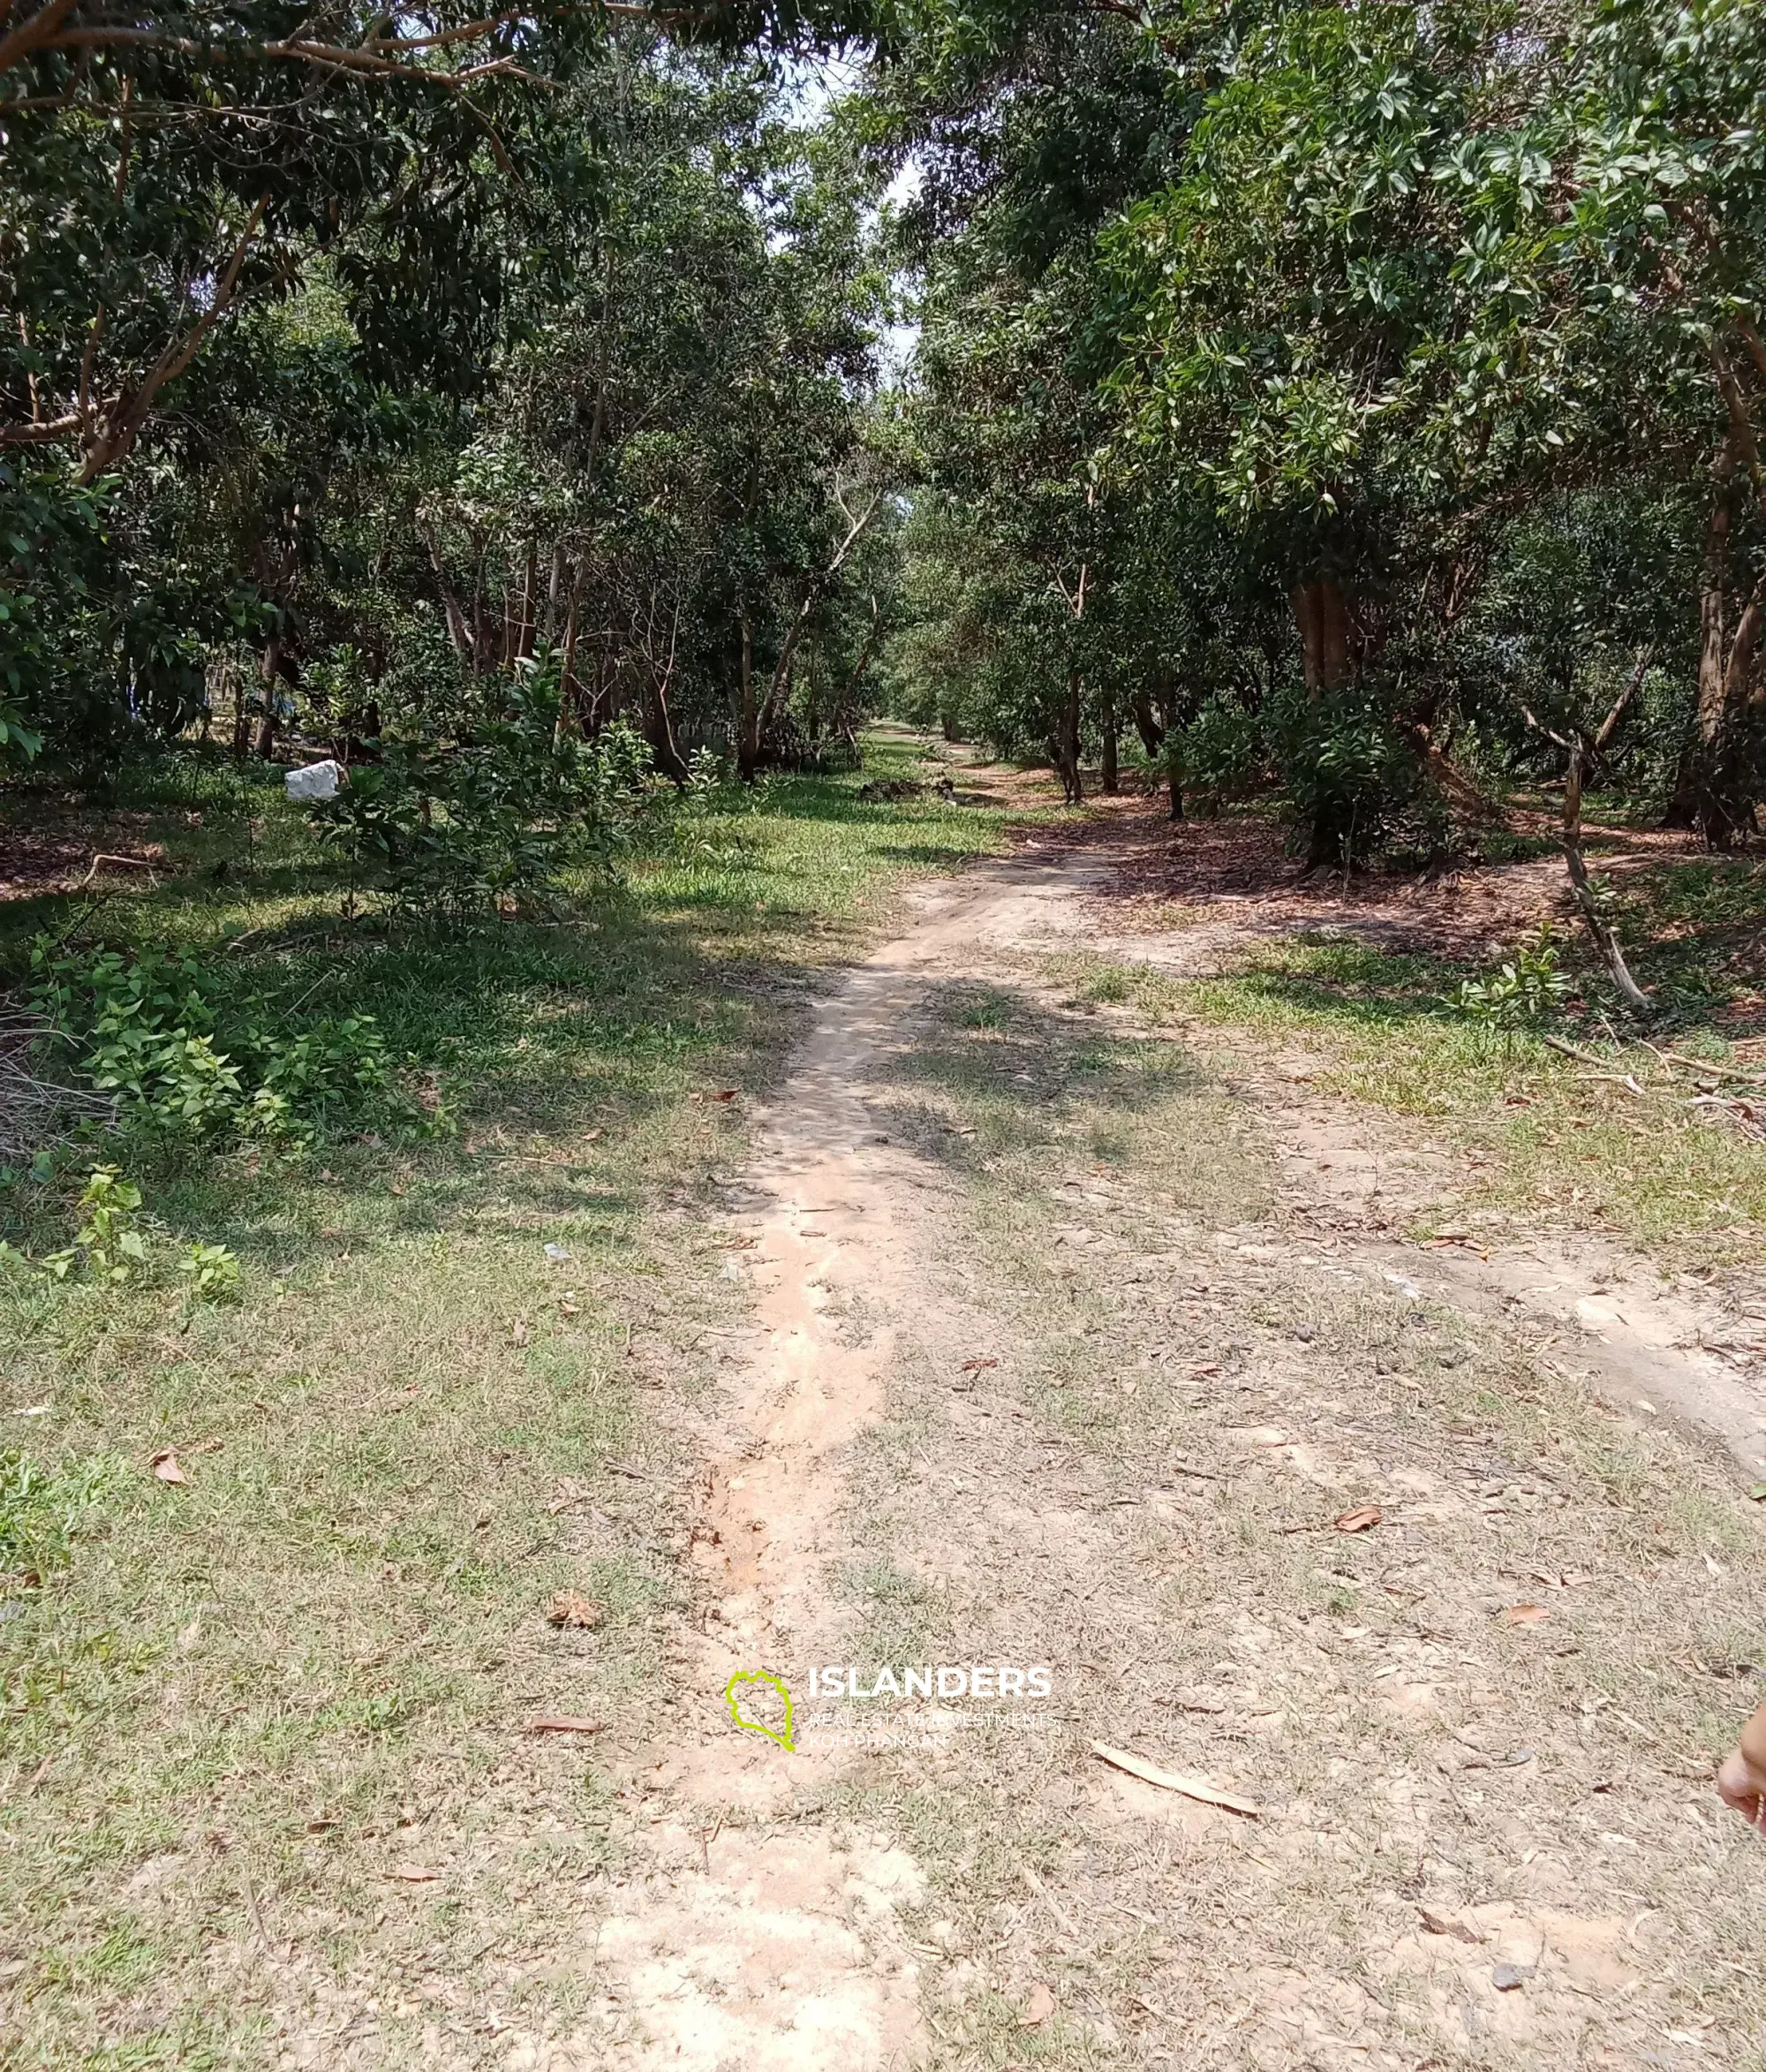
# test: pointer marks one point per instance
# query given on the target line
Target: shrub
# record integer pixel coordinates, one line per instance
(1521, 992)
(1220, 753)
(489, 804)
(186, 1056)
(1352, 778)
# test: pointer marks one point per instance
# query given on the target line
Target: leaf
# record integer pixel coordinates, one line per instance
(977, 1367)
(1361, 1521)
(1526, 1614)
(563, 1723)
(1038, 2006)
(518, 1332)
(1439, 1925)
(414, 1874)
(1757, 1492)
(570, 1607)
(1196, 1787)
(165, 1467)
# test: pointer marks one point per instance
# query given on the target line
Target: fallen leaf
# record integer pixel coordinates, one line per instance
(1439, 1925)
(1757, 1492)
(1508, 1977)
(1038, 2006)
(414, 1874)
(570, 1607)
(1196, 1787)
(563, 1723)
(1526, 1614)
(166, 1468)
(518, 1332)
(977, 1367)
(321, 1823)
(723, 1093)
(1360, 1521)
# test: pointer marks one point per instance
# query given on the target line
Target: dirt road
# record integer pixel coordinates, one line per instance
(1056, 1362)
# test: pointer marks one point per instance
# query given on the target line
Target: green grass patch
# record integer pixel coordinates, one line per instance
(1558, 1143)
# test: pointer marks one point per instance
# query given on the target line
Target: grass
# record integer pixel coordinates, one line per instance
(1556, 1144)
(235, 1709)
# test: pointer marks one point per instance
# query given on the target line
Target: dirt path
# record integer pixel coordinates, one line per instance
(1067, 1354)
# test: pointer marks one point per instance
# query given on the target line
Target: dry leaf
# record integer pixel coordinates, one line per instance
(1439, 1925)
(1360, 1521)
(723, 1093)
(166, 1468)
(563, 1723)
(1526, 1614)
(570, 1607)
(977, 1365)
(518, 1332)
(1196, 1787)
(1038, 2006)
(414, 1874)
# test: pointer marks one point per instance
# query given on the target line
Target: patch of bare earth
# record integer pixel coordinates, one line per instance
(1206, 885)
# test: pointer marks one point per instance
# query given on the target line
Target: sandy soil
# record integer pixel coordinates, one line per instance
(1007, 1401)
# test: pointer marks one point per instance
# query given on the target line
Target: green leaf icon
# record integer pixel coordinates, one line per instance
(739, 1686)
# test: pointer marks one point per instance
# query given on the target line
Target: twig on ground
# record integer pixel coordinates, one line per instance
(1196, 1787)
(1035, 1884)
(1705, 1064)
(1569, 1049)
(127, 862)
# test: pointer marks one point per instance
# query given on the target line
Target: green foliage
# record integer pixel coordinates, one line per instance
(1350, 775)
(190, 1056)
(107, 1246)
(1522, 992)
(492, 801)
(211, 1272)
(1220, 751)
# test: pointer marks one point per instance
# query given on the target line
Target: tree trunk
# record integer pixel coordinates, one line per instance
(1323, 623)
(1152, 734)
(1065, 744)
(659, 731)
(1714, 788)
(263, 734)
(1109, 776)
(748, 716)
(948, 726)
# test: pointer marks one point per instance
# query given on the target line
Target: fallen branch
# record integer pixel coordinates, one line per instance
(1196, 1787)
(132, 863)
(1705, 1064)
(1582, 1057)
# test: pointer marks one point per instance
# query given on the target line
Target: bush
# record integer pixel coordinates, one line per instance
(1220, 753)
(1353, 780)
(485, 807)
(1522, 993)
(186, 1056)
